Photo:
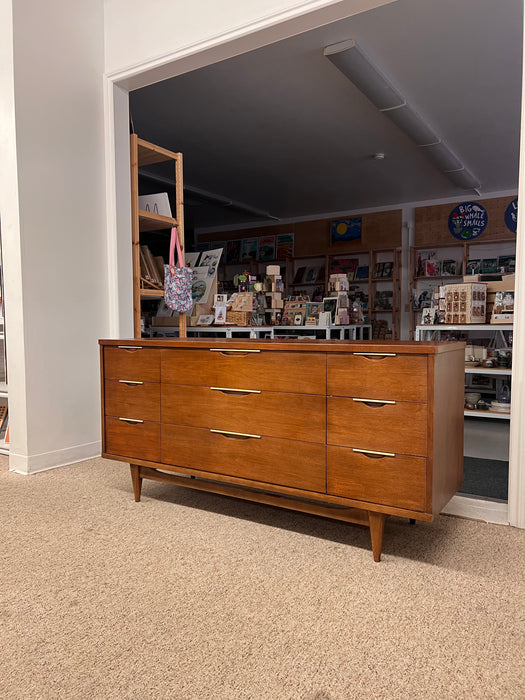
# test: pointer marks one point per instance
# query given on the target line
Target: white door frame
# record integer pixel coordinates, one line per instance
(247, 38)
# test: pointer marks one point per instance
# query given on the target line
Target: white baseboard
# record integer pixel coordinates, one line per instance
(31, 464)
(478, 509)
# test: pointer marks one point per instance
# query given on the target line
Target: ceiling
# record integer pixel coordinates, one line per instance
(283, 131)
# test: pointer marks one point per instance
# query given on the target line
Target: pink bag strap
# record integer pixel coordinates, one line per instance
(175, 242)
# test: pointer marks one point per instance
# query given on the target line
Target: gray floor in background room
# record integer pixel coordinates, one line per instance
(486, 478)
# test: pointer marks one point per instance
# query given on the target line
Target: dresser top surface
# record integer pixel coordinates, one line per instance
(294, 345)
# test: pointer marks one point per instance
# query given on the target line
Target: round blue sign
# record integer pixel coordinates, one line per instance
(467, 221)
(511, 216)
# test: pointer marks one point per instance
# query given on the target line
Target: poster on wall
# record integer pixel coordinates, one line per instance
(511, 216)
(233, 251)
(284, 246)
(467, 221)
(249, 249)
(266, 248)
(344, 230)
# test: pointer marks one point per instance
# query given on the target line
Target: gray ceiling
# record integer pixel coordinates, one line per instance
(282, 130)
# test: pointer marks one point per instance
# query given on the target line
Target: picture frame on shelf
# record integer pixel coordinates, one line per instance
(313, 309)
(482, 381)
(428, 317)
(473, 267)
(220, 315)
(448, 267)
(330, 305)
(205, 320)
(432, 268)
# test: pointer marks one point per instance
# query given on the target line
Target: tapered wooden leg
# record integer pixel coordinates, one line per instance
(377, 527)
(136, 480)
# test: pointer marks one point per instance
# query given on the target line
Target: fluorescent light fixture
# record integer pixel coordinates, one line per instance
(409, 121)
(355, 65)
(443, 157)
(351, 61)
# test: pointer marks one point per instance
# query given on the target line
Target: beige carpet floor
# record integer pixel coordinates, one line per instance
(194, 596)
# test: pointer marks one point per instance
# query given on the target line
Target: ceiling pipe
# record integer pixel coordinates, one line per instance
(217, 199)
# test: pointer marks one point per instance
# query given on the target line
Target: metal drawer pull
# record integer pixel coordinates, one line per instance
(236, 391)
(131, 420)
(129, 347)
(227, 433)
(373, 452)
(231, 350)
(376, 354)
(378, 401)
(129, 382)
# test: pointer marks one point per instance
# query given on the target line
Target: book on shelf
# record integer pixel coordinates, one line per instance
(489, 265)
(507, 264)
(149, 268)
(388, 268)
(362, 272)
(380, 266)
(299, 275)
(311, 275)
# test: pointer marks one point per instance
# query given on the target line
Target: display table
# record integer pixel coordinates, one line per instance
(351, 430)
(353, 332)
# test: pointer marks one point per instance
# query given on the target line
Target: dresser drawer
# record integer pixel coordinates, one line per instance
(135, 363)
(396, 377)
(295, 416)
(133, 440)
(299, 373)
(132, 400)
(388, 427)
(268, 460)
(398, 481)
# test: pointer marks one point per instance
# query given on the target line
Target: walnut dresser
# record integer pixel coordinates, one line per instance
(351, 430)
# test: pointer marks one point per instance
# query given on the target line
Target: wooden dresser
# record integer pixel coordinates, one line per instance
(351, 430)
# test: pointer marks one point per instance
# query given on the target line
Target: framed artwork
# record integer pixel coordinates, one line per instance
(266, 248)
(284, 246)
(344, 230)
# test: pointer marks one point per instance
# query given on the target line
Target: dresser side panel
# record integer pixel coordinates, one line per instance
(448, 427)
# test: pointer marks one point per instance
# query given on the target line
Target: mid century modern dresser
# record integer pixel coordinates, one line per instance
(351, 430)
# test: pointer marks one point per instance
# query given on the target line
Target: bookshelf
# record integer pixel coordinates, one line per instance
(143, 153)
(441, 258)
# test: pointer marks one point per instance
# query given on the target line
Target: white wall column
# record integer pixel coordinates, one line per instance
(517, 435)
(55, 229)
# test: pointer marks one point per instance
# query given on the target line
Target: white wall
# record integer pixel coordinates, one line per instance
(55, 235)
(144, 38)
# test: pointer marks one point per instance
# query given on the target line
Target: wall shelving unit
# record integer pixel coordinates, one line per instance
(143, 154)
(498, 333)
